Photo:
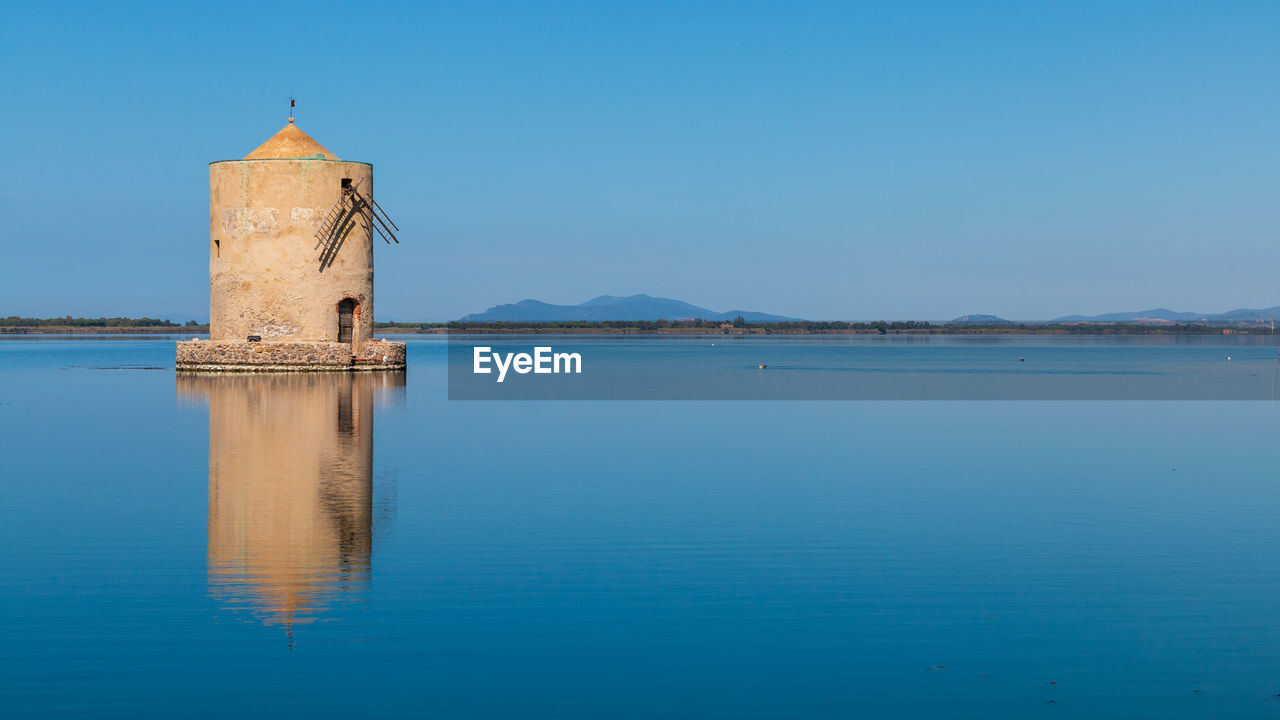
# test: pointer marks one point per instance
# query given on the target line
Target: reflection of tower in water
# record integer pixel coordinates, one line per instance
(290, 488)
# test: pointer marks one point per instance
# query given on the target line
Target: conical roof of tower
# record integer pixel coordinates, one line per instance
(290, 142)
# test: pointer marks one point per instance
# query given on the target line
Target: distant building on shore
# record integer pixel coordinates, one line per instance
(291, 231)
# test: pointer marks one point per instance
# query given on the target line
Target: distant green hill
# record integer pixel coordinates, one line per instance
(980, 320)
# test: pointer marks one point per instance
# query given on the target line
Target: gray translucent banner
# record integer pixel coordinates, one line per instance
(862, 367)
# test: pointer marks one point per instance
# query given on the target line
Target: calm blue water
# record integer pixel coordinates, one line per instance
(342, 547)
(874, 367)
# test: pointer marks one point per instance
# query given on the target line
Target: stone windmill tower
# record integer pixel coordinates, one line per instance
(291, 230)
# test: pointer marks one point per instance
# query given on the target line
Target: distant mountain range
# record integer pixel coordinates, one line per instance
(646, 307)
(1163, 315)
(610, 307)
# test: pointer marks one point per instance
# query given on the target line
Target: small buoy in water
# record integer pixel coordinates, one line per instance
(763, 366)
(1228, 357)
(1022, 359)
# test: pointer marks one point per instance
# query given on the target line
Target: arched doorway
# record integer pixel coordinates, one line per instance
(346, 320)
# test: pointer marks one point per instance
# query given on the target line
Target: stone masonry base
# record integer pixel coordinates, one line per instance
(209, 356)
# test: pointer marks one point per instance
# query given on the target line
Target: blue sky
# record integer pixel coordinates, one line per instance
(825, 160)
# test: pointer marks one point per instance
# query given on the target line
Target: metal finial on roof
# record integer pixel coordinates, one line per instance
(292, 103)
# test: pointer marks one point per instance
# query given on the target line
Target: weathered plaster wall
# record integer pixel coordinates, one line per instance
(265, 274)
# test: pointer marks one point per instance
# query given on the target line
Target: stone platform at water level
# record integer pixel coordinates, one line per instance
(209, 356)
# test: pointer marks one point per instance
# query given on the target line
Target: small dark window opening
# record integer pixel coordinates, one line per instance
(346, 184)
(217, 248)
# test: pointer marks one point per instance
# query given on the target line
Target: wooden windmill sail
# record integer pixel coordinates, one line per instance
(352, 207)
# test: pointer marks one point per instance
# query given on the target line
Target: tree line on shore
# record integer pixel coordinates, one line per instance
(105, 322)
(737, 325)
(833, 326)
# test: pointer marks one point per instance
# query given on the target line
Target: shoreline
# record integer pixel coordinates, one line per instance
(939, 330)
(1056, 330)
(72, 330)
